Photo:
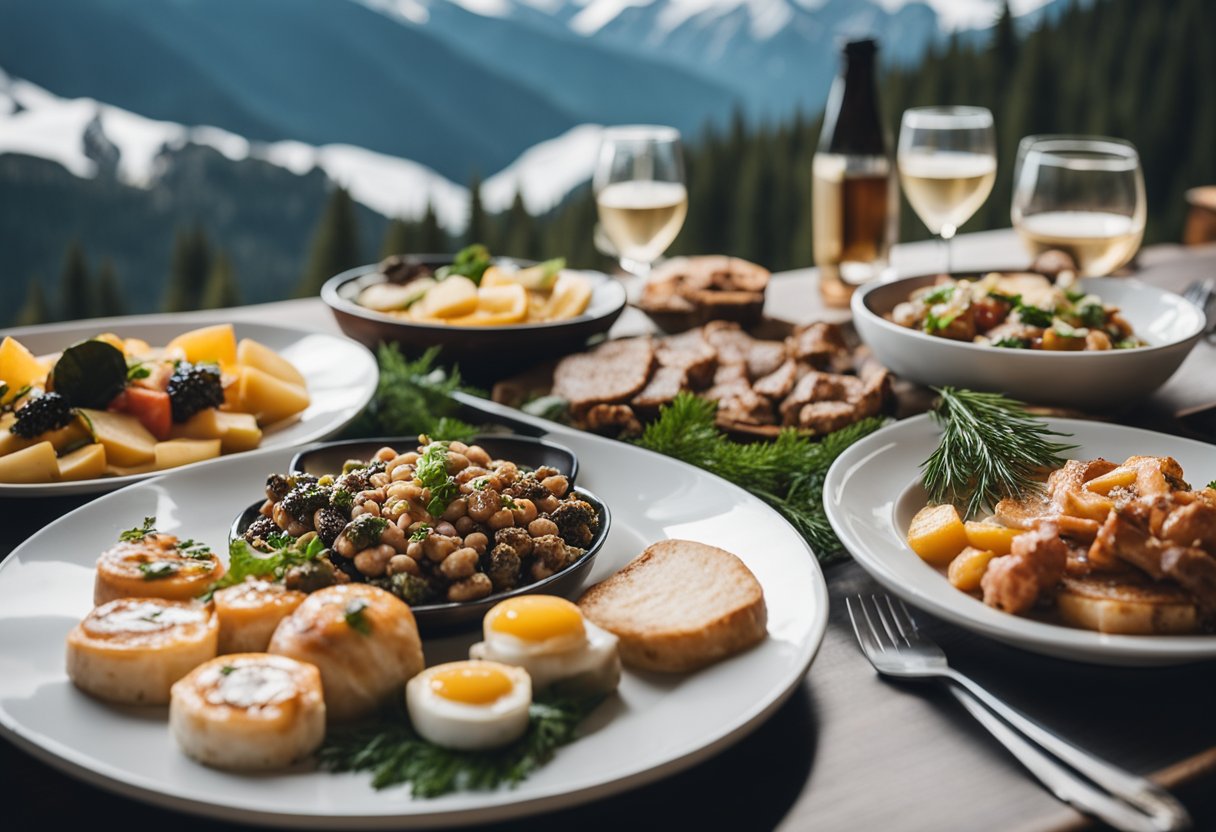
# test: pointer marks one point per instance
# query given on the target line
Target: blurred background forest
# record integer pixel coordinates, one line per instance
(185, 238)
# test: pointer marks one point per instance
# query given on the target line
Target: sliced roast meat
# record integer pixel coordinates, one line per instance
(615, 371)
(665, 383)
(779, 383)
(690, 352)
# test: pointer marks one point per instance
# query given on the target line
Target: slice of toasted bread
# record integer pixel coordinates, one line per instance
(1114, 606)
(679, 606)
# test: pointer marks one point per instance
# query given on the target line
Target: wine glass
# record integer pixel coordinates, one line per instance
(1083, 195)
(640, 193)
(947, 165)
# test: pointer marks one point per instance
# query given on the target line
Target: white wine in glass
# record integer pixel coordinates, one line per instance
(1081, 195)
(947, 165)
(640, 194)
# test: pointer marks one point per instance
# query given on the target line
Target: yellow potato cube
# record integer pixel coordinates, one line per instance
(240, 432)
(1118, 478)
(37, 463)
(968, 567)
(86, 463)
(991, 536)
(250, 353)
(269, 399)
(128, 443)
(937, 534)
(202, 425)
(113, 340)
(1087, 505)
(175, 452)
(18, 366)
(214, 344)
(453, 297)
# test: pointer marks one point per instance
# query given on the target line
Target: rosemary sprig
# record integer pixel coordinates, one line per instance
(413, 397)
(394, 754)
(991, 448)
(787, 473)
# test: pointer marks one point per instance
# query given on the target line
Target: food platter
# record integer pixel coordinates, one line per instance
(341, 374)
(873, 490)
(655, 726)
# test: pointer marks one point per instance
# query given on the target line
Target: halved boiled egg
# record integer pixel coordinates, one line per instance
(470, 705)
(548, 637)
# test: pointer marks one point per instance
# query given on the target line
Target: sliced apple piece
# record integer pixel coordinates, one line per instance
(128, 443)
(18, 366)
(250, 353)
(497, 306)
(86, 463)
(570, 298)
(453, 297)
(175, 452)
(214, 344)
(269, 399)
(37, 463)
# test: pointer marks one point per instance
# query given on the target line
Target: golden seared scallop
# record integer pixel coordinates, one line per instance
(250, 612)
(155, 566)
(132, 650)
(248, 712)
(362, 639)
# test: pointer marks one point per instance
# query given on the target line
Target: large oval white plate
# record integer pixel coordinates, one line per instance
(341, 375)
(657, 725)
(870, 493)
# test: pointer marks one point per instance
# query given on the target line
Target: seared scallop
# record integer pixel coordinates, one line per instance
(132, 650)
(154, 567)
(250, 612)
(362, 639)
(248, 712)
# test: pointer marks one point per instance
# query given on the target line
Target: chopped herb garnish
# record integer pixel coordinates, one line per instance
(158, 569)
(420, 534)
(939, 295)
(1074, 295)
(137, 370)
(195, 550)
(1212, 485)
(1034, 316)
(936, 323)
(246, 562)
(1127, 344)
(1092, 315)
(355, 618)
(509, 502)
(1064, 330)
(139, 532)
(432, 472)
(342, 498)
(1012, 300)
(227, 670)
(1011, 343)
(480, 483)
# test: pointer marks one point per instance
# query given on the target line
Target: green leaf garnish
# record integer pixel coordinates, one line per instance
(420, 534)
(936, 323)
(139, 532)
(432, 472)
(355, 617)
(1212, 485)
(137, 370)
(245, 562)
(227, 670)
(1012, 343)
(990, 449)
(158, 569)
(1092, 315)
(1012, 300)
(471, 262)
(939, 295)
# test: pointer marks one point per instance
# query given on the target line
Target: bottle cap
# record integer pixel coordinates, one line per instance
(861, 48)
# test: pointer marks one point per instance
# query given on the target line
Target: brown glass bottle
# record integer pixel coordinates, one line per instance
(853, 195)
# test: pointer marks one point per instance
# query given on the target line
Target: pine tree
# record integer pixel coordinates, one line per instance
(335, 244)
(188, 271)
(75, 287)
(431, 237)
(110, 302)
(35, 309)
(399, 238)
(519, 231)
(477, 229)
(221, 291)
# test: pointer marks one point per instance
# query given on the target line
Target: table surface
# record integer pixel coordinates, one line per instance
(848, 750)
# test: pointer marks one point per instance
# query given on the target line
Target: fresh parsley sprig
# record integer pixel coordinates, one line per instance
(246, 562)
(432, 472)
(396, 755)
(140, 532)
(991, 448)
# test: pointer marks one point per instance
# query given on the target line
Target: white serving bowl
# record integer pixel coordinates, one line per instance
(1085, 380)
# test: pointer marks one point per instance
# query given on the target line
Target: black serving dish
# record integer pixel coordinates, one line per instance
(439, 619)
(484, 353)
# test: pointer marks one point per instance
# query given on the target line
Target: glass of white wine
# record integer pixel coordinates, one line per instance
(1083, 195)
(640, 193)
(947, 165)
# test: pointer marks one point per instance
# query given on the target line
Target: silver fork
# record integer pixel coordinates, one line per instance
(893, 644)
(1202, 293)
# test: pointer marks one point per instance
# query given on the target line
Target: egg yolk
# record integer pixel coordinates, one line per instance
(536, 618)
(474, 683)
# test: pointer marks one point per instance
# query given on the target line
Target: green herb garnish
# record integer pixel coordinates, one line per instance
(787, 473)
(1034, 316)
(1212, 485)
(1074, 295)
(246, 562)
(227, 670)
(137, 370)
(432, 472)
(508, 502)
(936, 323)
(1092, 315)
(1063, 329)
(990, 449)
(395, 755)
(471, 262)
(139, 532)
(355, 617)
(1127, 344)
(158, 569)
(939, 295)
(1011, 343)
(194, 549)
(413, 397)
(420, 534)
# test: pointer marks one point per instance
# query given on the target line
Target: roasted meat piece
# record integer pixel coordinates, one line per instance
(612, 372)
(690, 352)
(1036, 562)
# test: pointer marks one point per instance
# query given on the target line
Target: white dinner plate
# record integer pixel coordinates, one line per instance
(873, 490)
(341, 376)
(656, 725)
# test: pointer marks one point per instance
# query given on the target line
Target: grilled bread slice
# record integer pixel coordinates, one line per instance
(1119, 606)
(679, 606)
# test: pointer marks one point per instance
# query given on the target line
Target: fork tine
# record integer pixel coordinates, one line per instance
(865, 634)
(880, 629)
(908, 627)
(892, 632)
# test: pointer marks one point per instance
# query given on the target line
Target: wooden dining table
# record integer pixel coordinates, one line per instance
(848, 750)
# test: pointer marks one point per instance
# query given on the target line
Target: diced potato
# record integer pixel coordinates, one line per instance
(453, 297)
(496, 306)
(1087, 505)
(175, 452)
(113, 340)
(968, 568)
(202, 425)
(991, 536)
(128, 443)
(937, 534)
(494, 276)
(37, 463)
(211, 344)
(269, 399)
(70, 436)
(84, 463)
(18, 366)
(130, 470)
(1118, 478)
(241, 432)
(250, 353)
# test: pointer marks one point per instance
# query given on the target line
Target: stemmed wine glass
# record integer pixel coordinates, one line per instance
(640, 193)
(1083, 195)
(947, 165)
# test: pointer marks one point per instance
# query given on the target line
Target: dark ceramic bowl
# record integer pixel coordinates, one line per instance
(439, 619)
(484, 353)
